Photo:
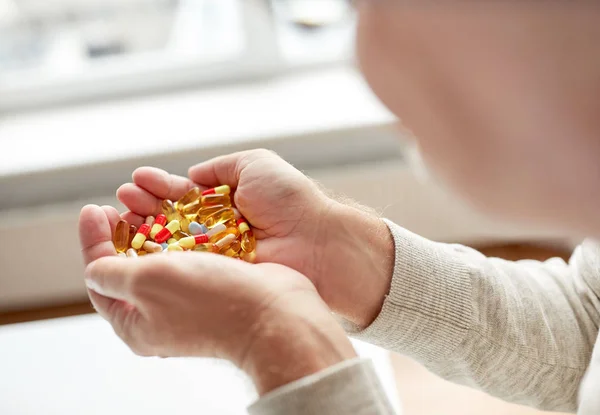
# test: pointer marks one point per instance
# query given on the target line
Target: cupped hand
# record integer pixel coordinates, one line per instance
(199, 304)
(345, 252)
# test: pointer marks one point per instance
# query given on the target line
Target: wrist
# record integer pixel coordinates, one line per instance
(357, 263)
(288, 347)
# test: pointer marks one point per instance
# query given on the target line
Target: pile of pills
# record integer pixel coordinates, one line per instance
(199, 221)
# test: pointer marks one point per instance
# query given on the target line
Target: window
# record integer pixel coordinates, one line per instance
(68, 50)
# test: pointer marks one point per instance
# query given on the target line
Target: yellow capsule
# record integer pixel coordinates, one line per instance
(215, 199)
(192, 195)
(174, 247)
(121, 236)
(172, 241)
(132, 232)
(248, 241)
(234, 249)
(206, 212)
(191, 208)
(168, 209)
(206, 248)
(132, 253)
(248, 256)
(142, 253)
(179, 235)
(151, 247)
(234, 231)
(220, 216)
(225, 242)
(184, 223)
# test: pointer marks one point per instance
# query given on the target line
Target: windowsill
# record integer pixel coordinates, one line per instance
(301, 104)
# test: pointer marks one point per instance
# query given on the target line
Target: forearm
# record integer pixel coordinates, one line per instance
(520, 331)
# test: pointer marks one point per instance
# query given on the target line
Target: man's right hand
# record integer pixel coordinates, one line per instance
(347, 253)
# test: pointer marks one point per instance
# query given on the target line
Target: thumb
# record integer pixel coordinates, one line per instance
(111, 277)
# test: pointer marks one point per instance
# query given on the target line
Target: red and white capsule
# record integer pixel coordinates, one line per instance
(222, 190)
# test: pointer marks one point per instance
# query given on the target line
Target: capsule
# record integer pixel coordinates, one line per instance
(192, 195)
(196, 229)
(174, 247)
(140, 236)
(236, 214)
(159, 223)
(224, 190)
(248, 239)
(132, 253)
(179, 235)
(206, 248)
(168, 209)
(121, 236)
(234, 249)
(184, 224)
(191, 208)
(215, 199)
(191, 241)
(171, 241)
(224, 243)
(132, 232)
(205, 212)
(151, 247)
(166, 232)
(248, 256)
(149, 221)
(220, 216)
(141, 252)
(165, 245)
(122, 254)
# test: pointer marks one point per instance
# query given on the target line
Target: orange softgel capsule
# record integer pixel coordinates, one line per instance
(200, 221)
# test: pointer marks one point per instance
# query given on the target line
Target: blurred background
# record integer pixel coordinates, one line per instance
(92, 89)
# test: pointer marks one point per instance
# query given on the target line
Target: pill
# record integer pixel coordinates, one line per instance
(142, 253)
(132, 253)
(191, 241)
(191, 208)
(215, 199)
(224, 243)
(166, 232)
(206, 248)
(236, 214)
(159, 223)
(192, 195)
(196, 229)
(132, 232)
(150, 247)
(220, 216)
(207, 211)
(248, 239)
(149, 221)
(121, 236)
(248, 256)
(140, 236)
(165, 245)
(174, 247)
(179, 234)
(184, 224)
(122, 254)
(233, 249)
(224, 189)
(171, 241)
(168, 209)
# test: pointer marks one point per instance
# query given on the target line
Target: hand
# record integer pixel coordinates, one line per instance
(347, 253)
(267, 319)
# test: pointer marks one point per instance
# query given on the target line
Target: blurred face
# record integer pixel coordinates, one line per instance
(503, 97)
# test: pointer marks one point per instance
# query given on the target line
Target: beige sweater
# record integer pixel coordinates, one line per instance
(522, 331)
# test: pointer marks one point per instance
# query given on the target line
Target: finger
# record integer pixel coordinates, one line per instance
(113, 216)
(111, 277)
(95, 234)
(161, 184)
(139, 200)
(117, 313)
(225, 169)
(133, 218)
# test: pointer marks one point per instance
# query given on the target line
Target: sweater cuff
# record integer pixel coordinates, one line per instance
(427, 312)
(350, 387)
